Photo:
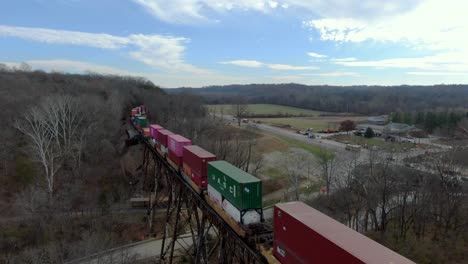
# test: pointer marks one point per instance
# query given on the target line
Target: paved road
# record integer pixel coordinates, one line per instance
(130, 253)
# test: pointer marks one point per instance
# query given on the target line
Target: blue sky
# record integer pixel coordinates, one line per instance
(207, 42)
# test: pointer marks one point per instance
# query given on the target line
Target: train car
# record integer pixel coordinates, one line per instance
(195, 166)
(305, 235)
(154, 134)
(141, 121)
(146, 132)
(176, 145)
(235, 195)
(162, 141)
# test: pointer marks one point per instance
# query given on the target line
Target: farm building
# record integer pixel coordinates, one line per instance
(397, 129)
(377, 120)
(389, 129)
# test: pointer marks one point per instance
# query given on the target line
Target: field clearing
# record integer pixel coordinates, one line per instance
(266, 109)
(317, 123)
(377, 142)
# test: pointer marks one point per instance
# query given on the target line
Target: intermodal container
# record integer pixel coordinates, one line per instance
(162, 137)
(146, 131)
(134, 112)
(142, 121)
(250, 217)
(305, 235)
(195, 161)
(215, 196)
(154, 129)
(175, 147)
(243, 190)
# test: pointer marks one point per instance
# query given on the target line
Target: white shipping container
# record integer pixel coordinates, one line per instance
(214, 195)
(163, 149)
(250, 217)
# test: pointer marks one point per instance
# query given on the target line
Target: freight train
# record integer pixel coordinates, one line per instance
(301, 234)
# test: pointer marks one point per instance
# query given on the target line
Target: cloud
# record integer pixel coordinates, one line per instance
(434, 24)
(450, 62)
(290, 67)
(334, 74)
(343, 59)
(190, 11)
(439, 73)
(316, 55)
(104, 41)
(258, 64)
(196, 11)
(434, 27)
(158, 51)
(245, 63)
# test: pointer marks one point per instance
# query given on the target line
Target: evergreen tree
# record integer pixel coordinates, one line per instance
(369, 133)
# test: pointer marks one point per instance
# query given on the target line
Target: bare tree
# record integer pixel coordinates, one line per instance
(326, 160)
(239, 109)
(42, 144)
(295, 165)
(57, 130)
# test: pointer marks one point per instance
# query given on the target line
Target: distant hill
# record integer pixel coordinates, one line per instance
(357, 99)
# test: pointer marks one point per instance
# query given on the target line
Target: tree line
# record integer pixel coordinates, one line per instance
(430, 120)
(351, 99)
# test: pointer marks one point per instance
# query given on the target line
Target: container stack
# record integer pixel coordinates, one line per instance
(195, 165)
(176, 144)
(241, 192)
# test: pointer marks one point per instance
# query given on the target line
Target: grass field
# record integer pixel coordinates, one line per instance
(266, 109)
(302, 123)
(313, 149)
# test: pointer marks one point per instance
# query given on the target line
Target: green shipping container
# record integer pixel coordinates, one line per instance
(142, 121)
(240, 188)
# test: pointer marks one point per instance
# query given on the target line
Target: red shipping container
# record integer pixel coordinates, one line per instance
(176, 144)
(162, 136)
(134, 112)
(146, 132)
(175, 159)
(197, 160)
(154, 129)
(305, 235)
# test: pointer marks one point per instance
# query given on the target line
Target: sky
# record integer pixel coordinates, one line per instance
(196, 43)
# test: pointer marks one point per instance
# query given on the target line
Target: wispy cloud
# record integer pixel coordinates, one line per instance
(245, 63)
(189, 11)
(193, 11)
(316, 55)
(158, 51)
(343, 59)
(439, 73)
(449, 62)
(333, 74)
(258, 64)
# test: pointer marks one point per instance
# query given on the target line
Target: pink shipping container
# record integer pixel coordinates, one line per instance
(154, 129)
(176, 144)
(162, 136)
(305, 235)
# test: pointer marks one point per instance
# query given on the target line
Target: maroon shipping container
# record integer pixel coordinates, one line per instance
(174, 158)
(304, 235)
(197, 160)
(162, 136)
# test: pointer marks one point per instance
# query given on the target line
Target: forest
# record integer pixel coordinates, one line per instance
(63, 156)
(366, 100)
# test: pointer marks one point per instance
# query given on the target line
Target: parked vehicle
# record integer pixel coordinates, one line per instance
(351, 147)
